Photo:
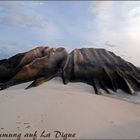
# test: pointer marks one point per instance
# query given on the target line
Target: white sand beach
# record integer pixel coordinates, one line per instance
(72, 108)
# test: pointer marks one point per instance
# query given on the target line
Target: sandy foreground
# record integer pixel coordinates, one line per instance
(71, 109)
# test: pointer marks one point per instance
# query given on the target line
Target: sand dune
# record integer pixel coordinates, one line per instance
(72, 108)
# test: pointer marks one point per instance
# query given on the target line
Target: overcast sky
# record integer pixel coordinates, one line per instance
(114, 25)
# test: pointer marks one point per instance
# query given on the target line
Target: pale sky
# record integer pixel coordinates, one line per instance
(113, 25)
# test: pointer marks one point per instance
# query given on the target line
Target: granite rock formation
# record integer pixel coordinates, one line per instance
(37, 65)
(97, 67)
(102, 69)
